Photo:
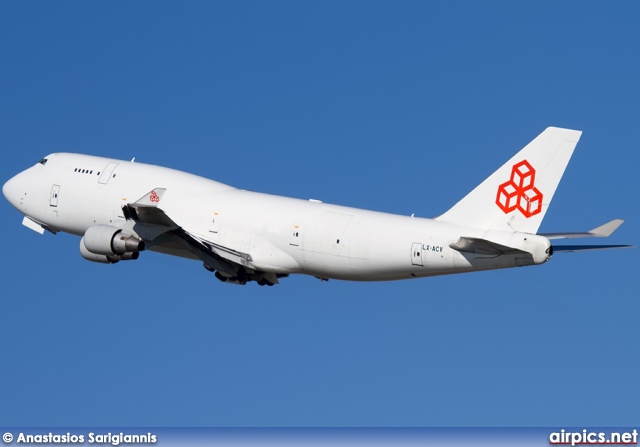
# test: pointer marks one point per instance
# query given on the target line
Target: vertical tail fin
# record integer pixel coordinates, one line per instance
(517, 196)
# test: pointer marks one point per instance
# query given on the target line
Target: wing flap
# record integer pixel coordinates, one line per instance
(152, 222)
(230, 254)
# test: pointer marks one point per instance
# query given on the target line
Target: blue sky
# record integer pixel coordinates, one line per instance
(401, 107)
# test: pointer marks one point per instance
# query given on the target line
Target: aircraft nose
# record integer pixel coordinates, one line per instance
(12, 191)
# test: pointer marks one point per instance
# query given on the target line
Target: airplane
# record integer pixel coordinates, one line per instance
(120, 208)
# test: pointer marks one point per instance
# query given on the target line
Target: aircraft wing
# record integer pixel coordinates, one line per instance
(154, 225)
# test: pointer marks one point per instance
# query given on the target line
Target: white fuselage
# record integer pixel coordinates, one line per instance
(72, 192)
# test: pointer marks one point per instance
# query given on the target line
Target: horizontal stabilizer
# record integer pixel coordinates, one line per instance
(570, 248)
(601, 231)
(483, 247)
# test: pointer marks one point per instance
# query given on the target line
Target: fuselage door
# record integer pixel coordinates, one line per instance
(416, 253)
(53, 200)
(296, 236)
(106, 173)
(215, 223)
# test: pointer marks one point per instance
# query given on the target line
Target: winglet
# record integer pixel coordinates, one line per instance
(146, 210)
(152, 198)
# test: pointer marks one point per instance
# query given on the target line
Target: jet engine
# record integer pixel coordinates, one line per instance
(108, 245)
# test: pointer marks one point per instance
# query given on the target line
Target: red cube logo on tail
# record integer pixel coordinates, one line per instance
(519, 192)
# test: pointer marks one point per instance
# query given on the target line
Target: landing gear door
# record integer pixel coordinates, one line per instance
(416, 253)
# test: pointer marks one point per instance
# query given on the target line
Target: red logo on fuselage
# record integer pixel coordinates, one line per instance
(519, 192)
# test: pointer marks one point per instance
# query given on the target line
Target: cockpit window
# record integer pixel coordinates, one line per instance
(43, 161)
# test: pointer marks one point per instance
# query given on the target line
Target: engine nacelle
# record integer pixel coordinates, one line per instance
(110, 241)
(104, 259)
(94, 257)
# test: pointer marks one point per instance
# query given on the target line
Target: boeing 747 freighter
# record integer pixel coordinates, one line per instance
(121, 208)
